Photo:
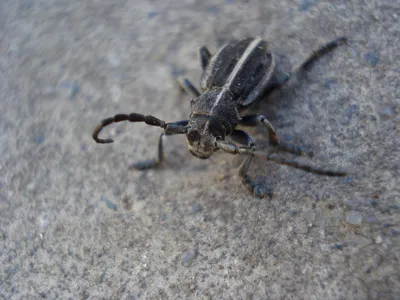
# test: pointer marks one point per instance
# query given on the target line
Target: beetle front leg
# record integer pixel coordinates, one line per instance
(151, 163)
(188, 87)
(243, 138)
(160, 157)
(255, 120)
(205, 57)
(260, 190)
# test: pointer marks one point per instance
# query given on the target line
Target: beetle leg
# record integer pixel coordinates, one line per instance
(242, 137)
(260, 190)
(277, 81)
(152, 163)
(255, 120)
(205, 56)
(320, 52)
(188, 87)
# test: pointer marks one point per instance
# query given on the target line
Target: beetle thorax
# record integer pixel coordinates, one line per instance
(203, 135)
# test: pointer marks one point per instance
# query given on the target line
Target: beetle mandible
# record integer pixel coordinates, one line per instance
(240, 73)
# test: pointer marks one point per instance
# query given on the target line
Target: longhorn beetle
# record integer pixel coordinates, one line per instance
(240, 73)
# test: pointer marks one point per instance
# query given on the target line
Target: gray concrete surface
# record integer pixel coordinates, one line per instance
(76, 224)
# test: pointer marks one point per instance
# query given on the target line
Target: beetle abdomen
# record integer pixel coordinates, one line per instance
(240, 67)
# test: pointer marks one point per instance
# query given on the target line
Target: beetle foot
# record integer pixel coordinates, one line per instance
(145, 164)
(258, 189)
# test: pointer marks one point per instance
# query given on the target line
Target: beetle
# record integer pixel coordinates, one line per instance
(236, 76)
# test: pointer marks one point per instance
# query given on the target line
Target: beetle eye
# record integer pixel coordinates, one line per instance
(193, 136)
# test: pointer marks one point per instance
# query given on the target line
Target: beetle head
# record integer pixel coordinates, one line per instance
(203, 135)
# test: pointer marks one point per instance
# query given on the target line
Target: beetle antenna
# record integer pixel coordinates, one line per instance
(170, 128)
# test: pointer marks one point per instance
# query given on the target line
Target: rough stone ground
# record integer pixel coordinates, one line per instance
(76, 224)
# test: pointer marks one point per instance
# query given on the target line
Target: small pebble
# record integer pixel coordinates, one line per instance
(188, 258)
(287, 137)
(49, 90)
(330, 206)
(113, 59)
(163, 219)
(349, 114)
(72, 86)
(373, 203)
(207, 218)
(213, 9)
(311, 107)
(386, 111)
(338, 246)
(116, 191)
(109, 204)
(333, 139)
(3, 47)
(152, 14)
(38, 139)
(196, 208)
(330, 82)
(64, 84)
(378, 239)
(44, 223)
(306, 4)
(74, 90)
(372, 58)
(310, 217)
(348, 180)
(12, 270)
(394, 232)
(371, 219)
(31, 186)
(354, 218)
(115, 93)
(384, 210)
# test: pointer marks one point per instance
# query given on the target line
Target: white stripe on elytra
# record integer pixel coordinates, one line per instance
(241, 61)
(235, 71)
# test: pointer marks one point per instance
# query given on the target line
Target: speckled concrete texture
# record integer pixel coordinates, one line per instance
(77, 224)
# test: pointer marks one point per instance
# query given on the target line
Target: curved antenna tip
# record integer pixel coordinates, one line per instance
(101, 141)
(95, 136)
